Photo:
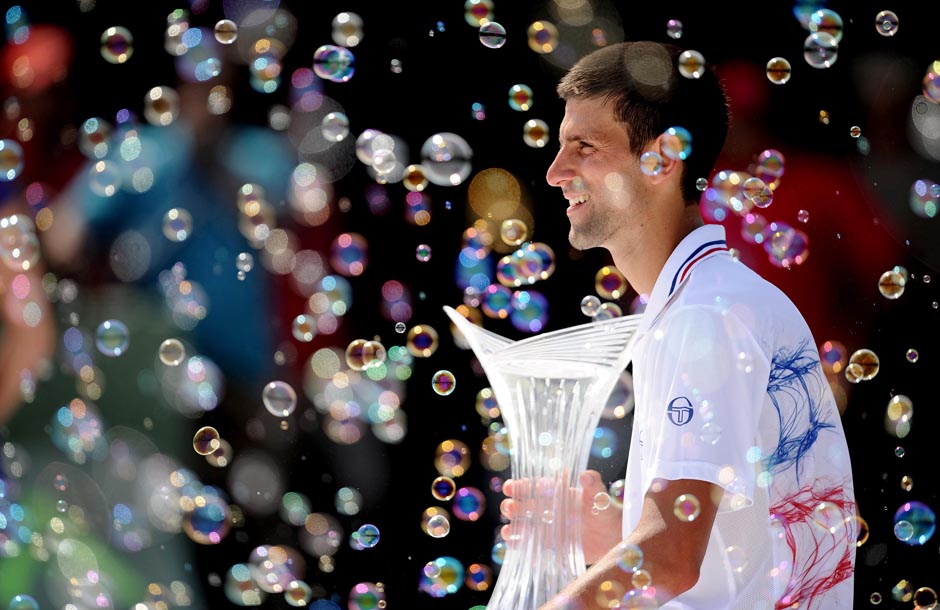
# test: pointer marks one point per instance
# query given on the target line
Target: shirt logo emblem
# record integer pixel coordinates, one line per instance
(679, 411)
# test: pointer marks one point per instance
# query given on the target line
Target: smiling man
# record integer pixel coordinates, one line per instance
(738, 490)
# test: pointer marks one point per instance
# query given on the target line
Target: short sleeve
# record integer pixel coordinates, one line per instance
(708, 385)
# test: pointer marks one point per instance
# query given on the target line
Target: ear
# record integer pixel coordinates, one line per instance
(672, 168)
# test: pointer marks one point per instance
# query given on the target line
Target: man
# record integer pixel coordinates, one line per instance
(738, 490)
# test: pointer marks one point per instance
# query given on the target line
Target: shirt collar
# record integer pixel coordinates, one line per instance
(702, 243)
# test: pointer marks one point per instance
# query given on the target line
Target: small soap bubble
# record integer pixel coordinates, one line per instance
(23, 602)
(609, 283)
(912, 355)
(333, 63)
(400, 328)
(368, 535)
(452, 458)
(161, 106)
(373, 354)
(415, 178)
(866, 365)
(520, 97)
(347, 29)
(674, 29)
(651, 163)
(710, 433)
(298, 594)
(112, 338)
(535, 133)
(687, 508)
(886, 23)
(758, 192)
(820, 50)
(117, 45)
(691, 64)
(171, 352)
(898, 416)
(11, 159)
(443, 383)
(469, 504)
(855, 131)
(677, 143)
(177, 224)
(899, 452)
(803, 216)
(335, 126)
(443, 488)
(629, 557)
(608, 311)
(601, 500)
(542, 36)
(778, 70)
(206, 440)
(422, 341)
(354, 356)
(828, 22)
(492, 35)
(925, 598)
(226, 31)
(513, 231)
(875, 598)
(907, 483)
(279, 398)
(903, 530)
(437, 525)
(423, 253)
(891, 284)
(701, 184)
(304, 328)
(244, 262)
(590, 305)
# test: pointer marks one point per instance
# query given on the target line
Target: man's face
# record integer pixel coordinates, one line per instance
(598, 174)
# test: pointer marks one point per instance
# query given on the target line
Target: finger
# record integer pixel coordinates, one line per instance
(506, 533)
(507, 508)
(591, 483)
(507, 487)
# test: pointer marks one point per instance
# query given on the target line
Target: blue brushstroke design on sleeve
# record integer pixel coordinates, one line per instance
(793, 373)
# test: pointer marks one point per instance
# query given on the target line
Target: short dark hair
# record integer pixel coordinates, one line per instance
(649, 95)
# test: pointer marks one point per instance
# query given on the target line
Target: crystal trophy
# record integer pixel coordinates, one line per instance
(551, 390)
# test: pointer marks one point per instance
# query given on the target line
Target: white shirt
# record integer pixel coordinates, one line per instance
(729, 389)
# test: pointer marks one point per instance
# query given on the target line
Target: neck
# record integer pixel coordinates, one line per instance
(642, 260)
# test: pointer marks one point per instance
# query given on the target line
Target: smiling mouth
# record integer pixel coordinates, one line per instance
(576, 201)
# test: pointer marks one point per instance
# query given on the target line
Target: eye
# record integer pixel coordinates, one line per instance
(584, 146)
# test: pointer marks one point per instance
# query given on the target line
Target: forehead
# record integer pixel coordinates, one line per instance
(589, 116)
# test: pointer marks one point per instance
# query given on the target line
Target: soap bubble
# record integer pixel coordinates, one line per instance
(891, 284)
(542, 36)
(112, 338)
(886, 23)
(117, 45)
(478, 12)
(421, 341)
(226, 31)
(629, 557)
(206, 440)
(23, 602)
(333, 63)
(828, 22)
(335, 126)
(609, 283)
(651, 163)
(914, 523)
(279, 398)
(513, 231)
(898, 416)
(446, 159)
(452, 458)
(347, 29)
(687, 508)
(469, 504)
(161, 106)
(304, 328)
(590, 305)
(820, 50)
(443, 383)
(177, 224)
(758, 192)
(367, 535)
(863, 365)
(520, 97)
(674, 29)
(11, 159)
(443, 488)
(677, 143)
(691, 64)
(778, 70)
(535, 133)
(171, 352)
(492, 35)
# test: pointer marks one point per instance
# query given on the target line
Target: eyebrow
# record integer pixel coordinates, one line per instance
(576, 137)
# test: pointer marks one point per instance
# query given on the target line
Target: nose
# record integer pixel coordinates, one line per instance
(560, 171)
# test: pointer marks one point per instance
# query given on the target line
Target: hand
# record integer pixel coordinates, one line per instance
(600, 529)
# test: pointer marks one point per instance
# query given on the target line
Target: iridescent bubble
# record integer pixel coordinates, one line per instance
(542, 36)
(907, 483)
(925, 598)
(206, 440)
(177, 224)
(23, 602)
(279, 398)
(373, 354)
(117, 45)
(112, 338)
(335, 126)
(226, 31)
(94, 137)
(77, 562)
(349, 254)
(479, 577)
(691, 64)
(478, 12)
(687, 508)
(209, 519)
(298, 594)
(333, 63)
(861, 527)
(529, 311)
(104, 178)
(601, 501)
(898, 416)
(855, 131)
(241, 588)
(912, 355)
(922, 200)
(590, 305)
(347, 29)
(535, 133)
(513, 231)
(629, 557)
(11, 159)
(770, 167)
(496, 302)
(931, 83)
(651, 163)
(421, 341)
(366, 596)
(520, 97)
(304, 328)
(778, 70)
(446, 159)
(368, 535)
(916, 521)
(677, 143)
(607, 311)
(820, 50)
(441, 577)
(609, 283)
(758, 192)
(828, 22)
(443, 383)
(492, 35)
(452, 458)
(875, 598)
(171, 352)
(469, 504)
(19, 245)
(244, 262)
(443, 488)
(674, 29)
(415, 179)
(348, 501)
(891, 284)
(863, 365)
(899, 452)
(435, 522)
(803, 216)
